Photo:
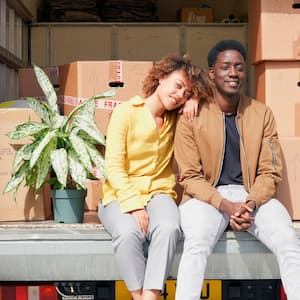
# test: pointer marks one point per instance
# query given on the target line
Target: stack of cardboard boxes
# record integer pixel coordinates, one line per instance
(274, 34)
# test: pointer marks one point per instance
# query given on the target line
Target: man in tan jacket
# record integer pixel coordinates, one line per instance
(230, 163)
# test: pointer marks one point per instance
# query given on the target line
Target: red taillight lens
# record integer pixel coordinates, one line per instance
(282, 293)
(21, 293)
(48, 292)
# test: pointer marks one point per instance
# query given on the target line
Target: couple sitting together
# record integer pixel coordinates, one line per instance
(227, 150)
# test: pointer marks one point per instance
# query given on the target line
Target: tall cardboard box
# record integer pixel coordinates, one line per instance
(288, 190)
(28, 205)
(274, 31)
(29, 86)
(297, 119)
(83, 79)
(277, 86)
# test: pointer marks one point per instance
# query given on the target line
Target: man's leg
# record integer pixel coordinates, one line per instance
(274, 228)
(202, 225)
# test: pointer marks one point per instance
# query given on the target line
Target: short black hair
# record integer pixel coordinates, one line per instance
(223, 46)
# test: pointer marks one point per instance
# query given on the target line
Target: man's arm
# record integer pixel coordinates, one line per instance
(269, 169)
(189, 163)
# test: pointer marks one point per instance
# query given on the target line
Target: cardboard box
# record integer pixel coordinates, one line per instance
(274, 31)
(196, 15)
(277, 86)
(94, 194)
(297, 119)
(83, 79)
(29, 86)
(288, 190)
(29, 205)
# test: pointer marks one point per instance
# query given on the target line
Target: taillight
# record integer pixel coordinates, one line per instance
(33, 292)
(282, 293)
(48, 292)
(21, 293)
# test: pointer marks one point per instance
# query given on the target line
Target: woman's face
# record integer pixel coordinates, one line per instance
(174, 90)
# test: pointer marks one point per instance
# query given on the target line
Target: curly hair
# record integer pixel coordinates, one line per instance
(201, 85)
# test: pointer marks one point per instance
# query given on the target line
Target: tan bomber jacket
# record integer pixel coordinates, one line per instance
(199, 150)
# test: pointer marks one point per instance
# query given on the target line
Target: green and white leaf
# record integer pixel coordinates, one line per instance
(41, 146)
(59, 121)
(27, 129)
(77, 109)
(17, 178)
(47, 88)
(59, 160)
(41, 109)
(23, 154)
(96, 158)
(78, 145)
(44, 163)
(90, 128)
(109, 93)
(77, 171)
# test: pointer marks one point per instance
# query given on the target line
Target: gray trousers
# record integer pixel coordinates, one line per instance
(137, 270)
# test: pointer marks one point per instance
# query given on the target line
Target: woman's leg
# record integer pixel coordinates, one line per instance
(128, 244)
(163, 234)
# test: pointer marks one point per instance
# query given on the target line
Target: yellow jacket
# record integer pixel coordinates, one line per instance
(199, 150)
(138, 156)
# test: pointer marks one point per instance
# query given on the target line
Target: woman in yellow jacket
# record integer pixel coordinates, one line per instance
(138, 202)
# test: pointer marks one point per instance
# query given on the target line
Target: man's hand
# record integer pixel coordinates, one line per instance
(190, 109)
(240, 214)
(142, 219)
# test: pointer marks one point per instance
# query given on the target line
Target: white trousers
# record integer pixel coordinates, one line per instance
(139, 271)
(203, 224)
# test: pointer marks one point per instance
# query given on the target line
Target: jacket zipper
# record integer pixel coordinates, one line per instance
(244, 152)
(273, 154)
(223, 150)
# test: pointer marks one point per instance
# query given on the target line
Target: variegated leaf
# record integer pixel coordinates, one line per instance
(79, 146)
(90, 128)
(40, 147)
(108, 93)
(24, 153)
(96, 158)
(59, 121)
(80, 107)
(59, 160)
(47, 88)
(77, 171)
(27, 129)
(41, 109)
(17, 179)
(43, 165)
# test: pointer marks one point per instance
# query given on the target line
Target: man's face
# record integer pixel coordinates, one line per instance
(228, 73)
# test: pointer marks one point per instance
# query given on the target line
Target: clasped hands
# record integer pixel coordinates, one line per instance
(240, 214)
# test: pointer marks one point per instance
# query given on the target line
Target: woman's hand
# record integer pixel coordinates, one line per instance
(142, 219)
(190, 109)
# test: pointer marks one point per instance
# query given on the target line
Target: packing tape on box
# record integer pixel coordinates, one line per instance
(108, 104)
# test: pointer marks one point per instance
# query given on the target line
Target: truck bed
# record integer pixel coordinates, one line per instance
(48, 251)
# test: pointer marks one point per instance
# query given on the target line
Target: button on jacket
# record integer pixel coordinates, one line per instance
(138, 158)
(199, 150)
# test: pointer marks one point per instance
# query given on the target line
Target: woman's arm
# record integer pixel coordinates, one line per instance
(115, 161)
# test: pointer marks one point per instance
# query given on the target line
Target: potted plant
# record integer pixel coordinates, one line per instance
(62, 152)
